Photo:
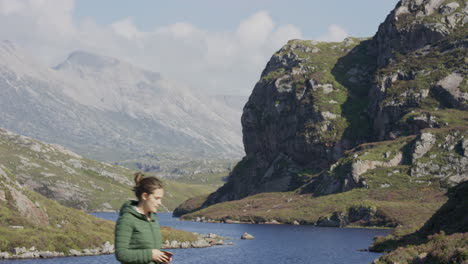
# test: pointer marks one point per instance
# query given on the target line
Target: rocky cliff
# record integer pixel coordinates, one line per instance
(316, 102)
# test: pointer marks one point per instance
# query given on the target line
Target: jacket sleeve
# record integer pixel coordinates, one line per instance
(123, 234)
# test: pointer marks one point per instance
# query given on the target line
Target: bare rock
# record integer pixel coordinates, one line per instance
(247, 236)
(337, 219)
(464, 145)
(4, 255)
(449, 8)
(449, 88)
(361, 166)
(423, 145)
(74, 252)
(200, 244)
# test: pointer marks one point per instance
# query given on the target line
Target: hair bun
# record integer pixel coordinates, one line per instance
(138, 177)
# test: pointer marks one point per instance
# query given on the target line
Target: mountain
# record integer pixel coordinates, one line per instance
(373, 128)
(105, 108)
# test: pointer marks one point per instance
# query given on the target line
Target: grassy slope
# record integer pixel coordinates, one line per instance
(67, 228)
(398, 198)
(79, 182)
(443, 239)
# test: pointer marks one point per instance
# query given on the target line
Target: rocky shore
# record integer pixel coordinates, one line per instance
(108, 248)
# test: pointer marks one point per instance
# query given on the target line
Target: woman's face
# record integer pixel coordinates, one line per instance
(152, 201)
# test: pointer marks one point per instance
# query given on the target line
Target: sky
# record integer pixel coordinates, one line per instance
(212, 46)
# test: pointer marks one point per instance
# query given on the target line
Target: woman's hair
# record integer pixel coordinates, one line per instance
(146, 184)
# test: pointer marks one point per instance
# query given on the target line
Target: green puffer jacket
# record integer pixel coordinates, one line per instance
(135, 236)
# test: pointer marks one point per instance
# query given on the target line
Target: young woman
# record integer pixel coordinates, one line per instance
(137, 232)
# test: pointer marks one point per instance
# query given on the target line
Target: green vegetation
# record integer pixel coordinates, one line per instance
(178, 192)
(443, 239)
(439, 248)
(169, 233)
(342, 71)
(420, 71)
(86, 184)
(67, 229)
(409, 207)
(57, 228)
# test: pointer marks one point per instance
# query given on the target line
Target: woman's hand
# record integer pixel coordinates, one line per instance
(159, 256)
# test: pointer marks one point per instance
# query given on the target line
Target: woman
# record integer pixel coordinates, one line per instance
(137, 232)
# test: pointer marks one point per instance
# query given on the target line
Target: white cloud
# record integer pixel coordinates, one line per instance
(218, 62)
(254, 30)
(9, 7)
(334, 34)
(179, 30)
(126, 28)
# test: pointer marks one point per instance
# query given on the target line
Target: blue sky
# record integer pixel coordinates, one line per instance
(359, 18)
(212, 46)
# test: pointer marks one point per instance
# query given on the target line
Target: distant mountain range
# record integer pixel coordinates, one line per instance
(108, 109)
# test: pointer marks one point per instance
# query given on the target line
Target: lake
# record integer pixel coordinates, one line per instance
(273, 243)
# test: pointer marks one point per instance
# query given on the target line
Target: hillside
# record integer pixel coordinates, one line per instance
(75, 181)
(442, 239)
(33, 226)
(29, 219)
(379, 124)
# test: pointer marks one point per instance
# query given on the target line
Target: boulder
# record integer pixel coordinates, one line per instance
(247, 236)
(449, 89)
(200, 244)
(423, 145)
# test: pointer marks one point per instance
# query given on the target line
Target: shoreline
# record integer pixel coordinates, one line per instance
(275, 222)
(107, 248)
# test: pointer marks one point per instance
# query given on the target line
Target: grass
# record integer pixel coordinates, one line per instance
(397, 197)
(439, 248)
(328, 64)
(397, 206)
(65, 228)
(85, 184)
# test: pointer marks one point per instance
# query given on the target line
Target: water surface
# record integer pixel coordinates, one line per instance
(272, 244)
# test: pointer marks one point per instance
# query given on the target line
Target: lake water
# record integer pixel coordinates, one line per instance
(273, 244)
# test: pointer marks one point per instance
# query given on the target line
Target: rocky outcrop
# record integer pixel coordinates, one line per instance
(31, 211)
(441, 155)
(422, 146)
(294, 119)
(420, 50)
(356, 215)
(304, 117)
(449, 88)
(247, 236)
(414, 24)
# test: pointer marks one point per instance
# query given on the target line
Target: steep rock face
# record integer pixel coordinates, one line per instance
(302, 115)
(421, 52)
(315, 101)
(436, 156)
(415, 23)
